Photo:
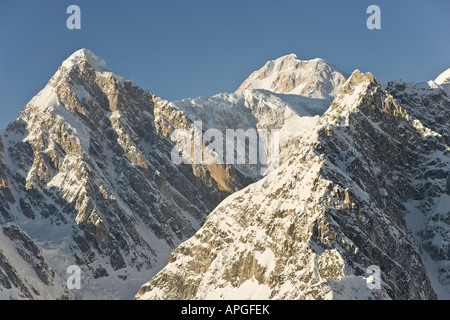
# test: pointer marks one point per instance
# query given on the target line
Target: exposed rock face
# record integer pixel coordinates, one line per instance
(87, 178)
(344, 201)
(429, 216)
(86, 172)
(20, 257)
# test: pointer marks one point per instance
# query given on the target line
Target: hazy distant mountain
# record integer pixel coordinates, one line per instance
(310, 78)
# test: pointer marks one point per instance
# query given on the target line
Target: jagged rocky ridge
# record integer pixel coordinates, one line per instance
(86, 173)
(369, 185)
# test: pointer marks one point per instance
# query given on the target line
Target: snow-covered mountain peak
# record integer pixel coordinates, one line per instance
(360, 178)
(443, 78)
(443, 81)
(74, 78)
(285, 58)
(314, 227)
(80, 55)
(84, 55)
(312, 78)
(359, 79)
(87, 159)
(351, 92)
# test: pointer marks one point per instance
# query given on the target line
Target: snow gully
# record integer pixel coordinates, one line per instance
(191, 146)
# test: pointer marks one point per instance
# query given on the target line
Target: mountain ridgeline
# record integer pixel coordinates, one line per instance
(361, 179)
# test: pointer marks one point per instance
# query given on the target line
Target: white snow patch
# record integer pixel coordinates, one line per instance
(266, 259)
(248, 290)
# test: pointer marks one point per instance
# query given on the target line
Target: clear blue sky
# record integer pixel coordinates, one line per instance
(190, 48)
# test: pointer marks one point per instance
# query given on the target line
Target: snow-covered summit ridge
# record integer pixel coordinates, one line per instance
(314, 78)
(95, 61)
(443, 78)
(98, 63)
(83, 59)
